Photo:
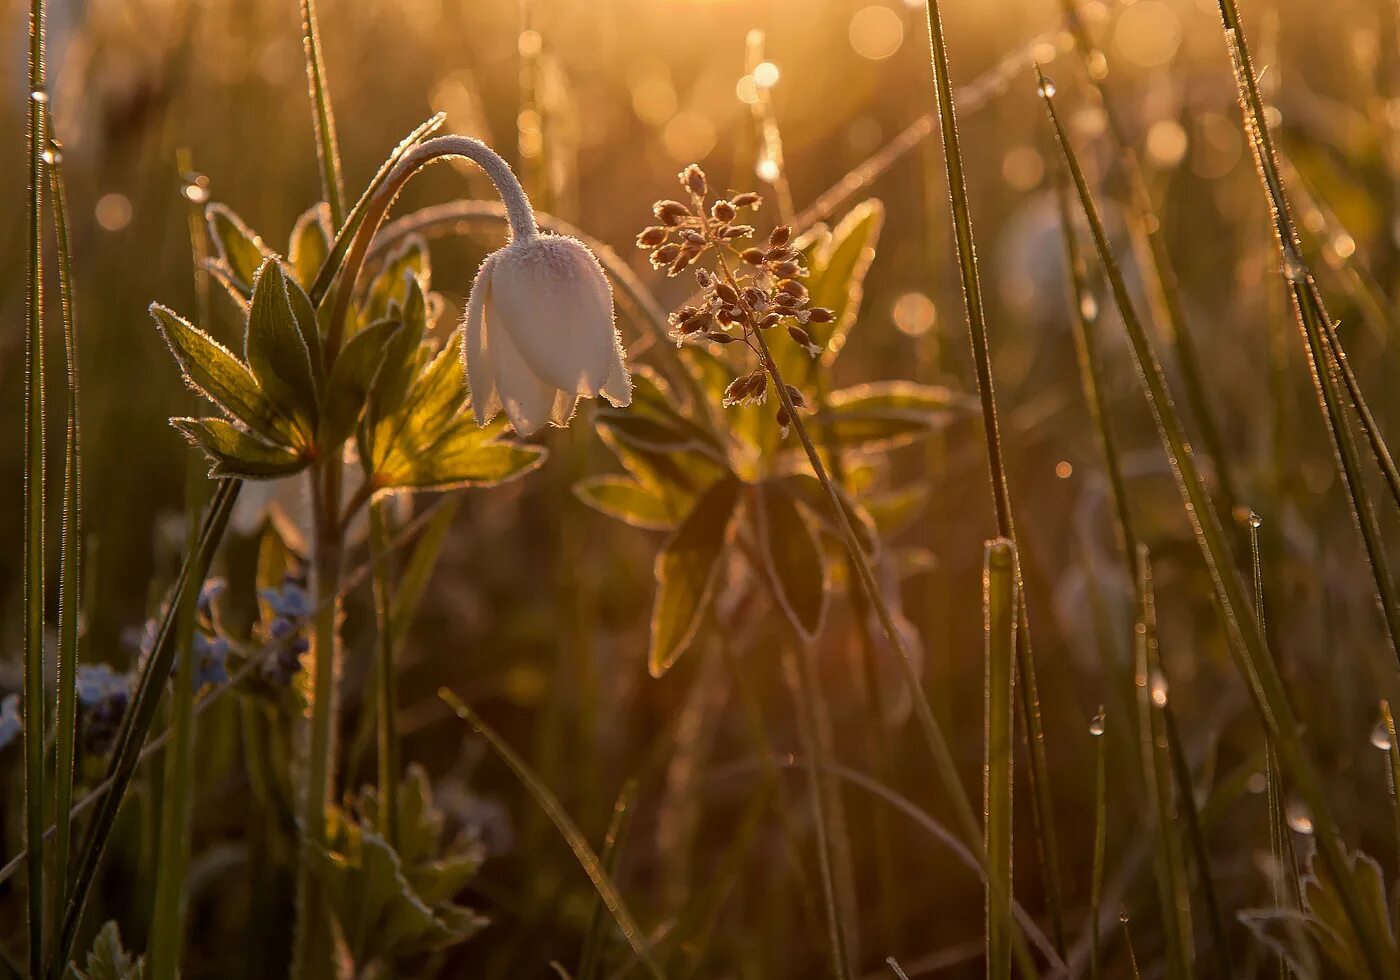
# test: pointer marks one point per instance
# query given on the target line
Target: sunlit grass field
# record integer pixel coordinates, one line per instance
(971, 556)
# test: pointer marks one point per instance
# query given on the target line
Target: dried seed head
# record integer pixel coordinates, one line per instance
(803, 339)
(781, 254)
(693, 179)
(705, 278)
(784, 421)
(684, 315)
(795, 397)
(665, 255)
(820, 314)
(771, 320)
(651, 237)
(736, 231)
(719, 337)
(786, 300)
(755, 297)
(748, 199)
(779, 236)
(722, 211)
(670, 213)
(793, 288)
(753, 256)
(726, 292)
(786, 270)
(726, 315)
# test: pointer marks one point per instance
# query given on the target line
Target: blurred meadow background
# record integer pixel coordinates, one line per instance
(537, 611)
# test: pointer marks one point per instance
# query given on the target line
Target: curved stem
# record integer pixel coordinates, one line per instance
(519, 214)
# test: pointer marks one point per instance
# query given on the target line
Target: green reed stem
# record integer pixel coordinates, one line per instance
(33, 575)
(624, 810)
(1098, 730)
(168, 914)
(547, 801)
(136, 722)
(999, 604)
(71, 557)
(1155, 259)
(1247, 644)
(1041, 803)
(1325, 355)
(327, 149)
(1392, 763)
(386, 714)
(799, 672)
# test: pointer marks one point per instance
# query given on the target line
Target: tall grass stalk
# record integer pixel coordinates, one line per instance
(1247, 644)
(386, 712)
(33, 575)
(140, 713)
(585, 854)
(1149, 237)
(327, 149)
(168, 915)
(1392, 764)
(71, 555)
(999, 604)
(1098, 729)
(1029, 695)
(1325, 355)
(624, 810)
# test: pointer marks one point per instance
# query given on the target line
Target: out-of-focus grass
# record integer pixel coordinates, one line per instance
(621, 93)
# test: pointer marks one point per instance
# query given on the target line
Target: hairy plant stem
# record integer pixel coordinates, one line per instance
(327, 149)
(311, 932)
(386, 713)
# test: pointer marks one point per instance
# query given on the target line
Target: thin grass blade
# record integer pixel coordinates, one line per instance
(1098, 729)
(624, 809)
(327, 149)
(1000, 602)
(547, 801)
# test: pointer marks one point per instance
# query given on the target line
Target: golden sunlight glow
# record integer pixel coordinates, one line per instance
(876, 32)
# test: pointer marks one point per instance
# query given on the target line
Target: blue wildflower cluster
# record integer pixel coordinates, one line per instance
(290, 606)
(103, 695)
(211, 646)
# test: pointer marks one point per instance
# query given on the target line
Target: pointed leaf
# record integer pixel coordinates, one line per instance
(350, 381)
(654, 421)
(277, 351)
(310, 243)
(839, 283)
(686, 571)
(887, 414)
(795, 562)
(389, 288)
(399, 366)
(241, 249)
(220, 376)
(435, 397)
(109, 959)
(235, 452)
(808, 489)
(628, 501)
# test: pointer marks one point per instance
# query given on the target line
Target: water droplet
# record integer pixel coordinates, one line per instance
(1098, 65)
(1380, 736)
(1047, 87)
(196, 189)
(1096, 726)
(51, 156)
(1299, 820)
(1089, 307)
(1255, 521)
(1158, 687)
(1294, 268)
(1123, 917)
(1344, 245)
(768, 170)
(39, 96)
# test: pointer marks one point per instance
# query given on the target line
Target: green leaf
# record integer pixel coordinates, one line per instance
(276, 350)
(465, 455)
(309, 327)
(220, 376)
(679, 475)
(389, 288)
(400, 365)
(654, 422)
(838, 277)
(241, 250)
(310, 243)
(109, 959)
(379, 913)
(628, 501)
(1331, 928)
(793, 559)
(895, 510)
(350, 381)
(434, 398)
(809, 490)
(686, 571)
(887, 414)
(237, 453)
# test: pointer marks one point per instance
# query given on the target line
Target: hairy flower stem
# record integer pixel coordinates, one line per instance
(328, 546)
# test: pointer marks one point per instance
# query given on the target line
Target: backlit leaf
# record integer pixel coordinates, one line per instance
(242, 251)
(350, 381)
(465, 455)
(310, 243)
(794, 561)
(237, 453)
(277, 351)
(887, 414)
(628, 501)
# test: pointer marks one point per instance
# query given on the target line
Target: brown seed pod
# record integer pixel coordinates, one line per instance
(670, 213)
(795, 397)
(786, 270)
(753, 256)
(786, 300)
(705, 278)
(748, 199)
(693, 179)
(771, 320)
(726, 292)
(820, 314)
(719, 337)
(692, 237)
(803, 339)
(755, 296)
(722, 211)
(652, 236)
(665, 255)
(784, 419)
(736, 231)
(793, 288)
(779, 236)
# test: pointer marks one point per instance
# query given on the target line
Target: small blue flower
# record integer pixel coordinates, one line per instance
(210, 660)
(209, 594)
(288, 602)
(10, 720)
(103, 695)
(99, 682)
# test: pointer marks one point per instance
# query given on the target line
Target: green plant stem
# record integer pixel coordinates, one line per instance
(1099, 733)
(1246, 642)
(33, 575)
(1029, 692)
(386, 714)
(999, 604)
(799, 672)
(932, 731)
(312, 932)
(71, 565)
(327, 149)
(624, 810)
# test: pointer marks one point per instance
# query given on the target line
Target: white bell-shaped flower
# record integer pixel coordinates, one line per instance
(539, 334)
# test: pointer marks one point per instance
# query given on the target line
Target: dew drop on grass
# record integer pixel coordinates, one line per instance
(1299, 820)
(52, 154)
(1255, 521)
(1047, 87)
(196, 189)
(768, 170)
(1294, 268)
(1096, 727)
(1380, 737)
(39, 96)
(1089, 307)
(1158, 687)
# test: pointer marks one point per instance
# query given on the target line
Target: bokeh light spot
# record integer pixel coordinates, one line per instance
(689, 136)
(914, 314)
(876, 32)
(1148, 33)
(113, 212)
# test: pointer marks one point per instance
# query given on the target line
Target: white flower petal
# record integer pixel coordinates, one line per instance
(557, 304)
(481, 371)
(617, 389)
(528, 400)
